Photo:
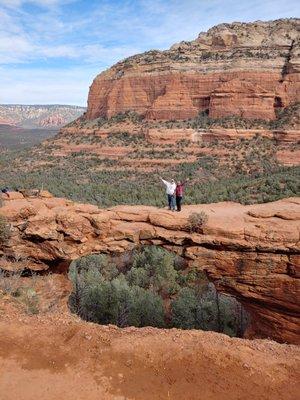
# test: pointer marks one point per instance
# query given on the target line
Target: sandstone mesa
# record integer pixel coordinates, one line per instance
(243, 69)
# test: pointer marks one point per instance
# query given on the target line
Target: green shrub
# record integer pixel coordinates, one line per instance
(208, 310)
(118, 303)
(138, 277)
(154, 267)
(150, 289)
(102, 294)
(30, 299)
(146, 308)
(197, 221)
(10, 283)
(105, 302)
(184, 309)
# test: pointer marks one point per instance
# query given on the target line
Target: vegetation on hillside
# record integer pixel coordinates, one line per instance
(250, 173)
(244, 170)
(151, 289)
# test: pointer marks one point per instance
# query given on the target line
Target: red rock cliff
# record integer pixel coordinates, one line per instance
(234, 69)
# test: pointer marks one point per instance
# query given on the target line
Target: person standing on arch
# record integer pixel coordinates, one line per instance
(170, 191)
(179, 193)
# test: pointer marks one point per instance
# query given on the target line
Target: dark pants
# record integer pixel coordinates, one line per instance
(178, 202)
(5, 191)
(171, 202)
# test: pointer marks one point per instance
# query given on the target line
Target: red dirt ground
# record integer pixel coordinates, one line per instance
(56, 356)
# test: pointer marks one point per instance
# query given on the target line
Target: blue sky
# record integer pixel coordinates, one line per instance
(50, 50)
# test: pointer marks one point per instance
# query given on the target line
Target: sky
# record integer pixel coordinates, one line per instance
(51, 50)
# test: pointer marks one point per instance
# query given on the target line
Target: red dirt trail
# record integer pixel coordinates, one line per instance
(59, 357)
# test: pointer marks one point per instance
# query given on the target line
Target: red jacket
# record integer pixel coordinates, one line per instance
(179, 190)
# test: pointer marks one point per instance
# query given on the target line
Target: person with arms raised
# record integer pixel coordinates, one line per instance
(170, 191)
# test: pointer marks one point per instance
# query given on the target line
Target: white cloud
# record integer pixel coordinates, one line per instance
(13, 49)
(99, 34)
(9, 23)
(103, 31)
(95, 52)
(47, 86)
(11, 3)
(40, 3)
(58, 51)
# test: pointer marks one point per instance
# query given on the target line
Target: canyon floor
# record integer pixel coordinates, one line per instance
(16, 138)
(58, 356)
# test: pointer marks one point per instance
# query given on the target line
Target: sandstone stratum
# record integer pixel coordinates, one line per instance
(250, 70)
(251, 252)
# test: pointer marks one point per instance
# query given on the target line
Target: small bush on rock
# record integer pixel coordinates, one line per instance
(4, 230)
(197, 221)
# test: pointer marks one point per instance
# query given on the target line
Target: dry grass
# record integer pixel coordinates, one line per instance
(197, 221)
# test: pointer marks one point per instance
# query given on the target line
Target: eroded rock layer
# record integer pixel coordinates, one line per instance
(251, 252)
(243, 69)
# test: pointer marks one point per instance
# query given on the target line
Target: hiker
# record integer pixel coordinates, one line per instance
(179, 193)
(170, 190)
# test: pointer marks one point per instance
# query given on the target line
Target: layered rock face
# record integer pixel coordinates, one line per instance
(251, 252)
(243, 69)
(241, 98)
(39, 116)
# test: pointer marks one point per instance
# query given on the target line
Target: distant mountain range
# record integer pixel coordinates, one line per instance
(39, 116)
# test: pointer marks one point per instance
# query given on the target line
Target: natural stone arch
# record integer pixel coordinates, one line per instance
(248, 251)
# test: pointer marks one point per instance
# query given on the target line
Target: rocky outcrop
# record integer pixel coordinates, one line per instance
(171, 136)
(243, 69)
(39, 116)
(251, 252)
(53, 120)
